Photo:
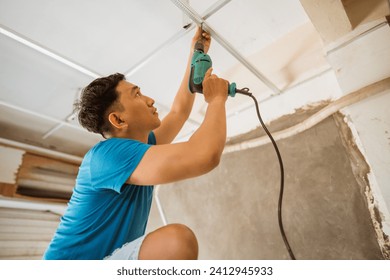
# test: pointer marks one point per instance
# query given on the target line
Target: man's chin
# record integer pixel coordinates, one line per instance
(158, 124)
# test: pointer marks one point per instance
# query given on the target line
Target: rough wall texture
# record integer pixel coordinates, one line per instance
(233, 209)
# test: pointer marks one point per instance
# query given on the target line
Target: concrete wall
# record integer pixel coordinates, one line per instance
(233, 209)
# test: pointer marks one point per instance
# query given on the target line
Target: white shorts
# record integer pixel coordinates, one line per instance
(128, 251)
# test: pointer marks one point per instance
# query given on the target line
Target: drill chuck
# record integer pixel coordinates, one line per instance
(199, 46)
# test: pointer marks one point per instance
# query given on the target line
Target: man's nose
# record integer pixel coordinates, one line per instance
(149, 101)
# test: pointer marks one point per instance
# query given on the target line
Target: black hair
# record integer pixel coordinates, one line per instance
(95, 100)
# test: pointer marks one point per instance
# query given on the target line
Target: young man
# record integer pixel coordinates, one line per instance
(108, 212)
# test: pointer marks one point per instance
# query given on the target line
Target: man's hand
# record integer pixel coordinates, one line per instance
(204, 36)
(184, 100)
(214, 88)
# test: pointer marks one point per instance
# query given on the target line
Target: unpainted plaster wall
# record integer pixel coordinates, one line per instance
(233, 209)
(370, 123)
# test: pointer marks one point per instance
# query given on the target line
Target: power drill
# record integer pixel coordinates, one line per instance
(200, 63)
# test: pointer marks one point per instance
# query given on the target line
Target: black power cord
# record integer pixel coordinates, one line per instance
(245, 91)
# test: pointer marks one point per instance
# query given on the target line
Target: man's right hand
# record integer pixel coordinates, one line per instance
(214, 87)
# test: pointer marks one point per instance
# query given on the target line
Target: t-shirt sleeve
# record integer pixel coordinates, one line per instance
(114, 161)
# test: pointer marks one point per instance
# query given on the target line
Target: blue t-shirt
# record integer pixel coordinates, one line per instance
(104, 213)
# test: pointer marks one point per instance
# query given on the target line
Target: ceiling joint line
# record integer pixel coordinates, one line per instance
(192, 14)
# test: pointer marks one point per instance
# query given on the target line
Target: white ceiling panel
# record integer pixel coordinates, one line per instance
(251, 25)
(30, 128)
(72, 141)
(11, 118)
(160, 77)
(201, 6)
(106, 36)
(36, 82)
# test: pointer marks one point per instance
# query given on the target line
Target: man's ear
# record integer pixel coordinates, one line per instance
(116, 121)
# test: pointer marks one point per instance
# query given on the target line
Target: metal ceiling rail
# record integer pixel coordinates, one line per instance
(142, 62)
(214, 8)
(192, 14)
(69, 118)
(42, 116)
(45, 51)
(209, 12)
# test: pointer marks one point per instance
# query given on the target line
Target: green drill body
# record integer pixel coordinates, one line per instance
(200, 63)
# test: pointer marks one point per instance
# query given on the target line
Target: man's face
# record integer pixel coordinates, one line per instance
(138, 111)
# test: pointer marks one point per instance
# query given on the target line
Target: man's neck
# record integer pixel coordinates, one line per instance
(142, 137)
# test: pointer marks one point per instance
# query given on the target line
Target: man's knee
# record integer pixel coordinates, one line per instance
(174, 241)
(182, 237)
